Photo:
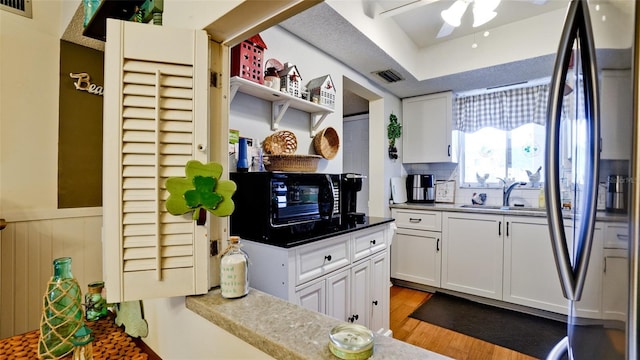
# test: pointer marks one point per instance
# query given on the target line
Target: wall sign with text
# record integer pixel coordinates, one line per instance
(83, 83)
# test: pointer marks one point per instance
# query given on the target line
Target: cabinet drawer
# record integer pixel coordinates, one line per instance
(367, 243)
(616, 236)
(418, 219)
(321, 258)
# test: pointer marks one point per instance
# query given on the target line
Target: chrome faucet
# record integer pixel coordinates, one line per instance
(506, 190)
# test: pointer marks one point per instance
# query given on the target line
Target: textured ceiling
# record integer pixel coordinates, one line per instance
(337, 37)
(73, 32)
(340, 39)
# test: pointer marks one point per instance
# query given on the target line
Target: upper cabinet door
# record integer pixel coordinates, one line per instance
(617, 120)
(426, 134)
(155, 120)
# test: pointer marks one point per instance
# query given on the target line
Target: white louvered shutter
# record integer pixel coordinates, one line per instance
(155, 120)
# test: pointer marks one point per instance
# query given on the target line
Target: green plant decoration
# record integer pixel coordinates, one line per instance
(394, 131)
(201, 189)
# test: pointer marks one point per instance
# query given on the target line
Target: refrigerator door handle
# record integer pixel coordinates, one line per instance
(559, 349)
(577, 27)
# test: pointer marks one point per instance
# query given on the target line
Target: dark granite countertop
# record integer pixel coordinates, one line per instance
(292, 240)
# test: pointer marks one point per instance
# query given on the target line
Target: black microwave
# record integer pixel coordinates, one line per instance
(273, 205)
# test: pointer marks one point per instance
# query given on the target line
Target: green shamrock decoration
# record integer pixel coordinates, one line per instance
(200, 189)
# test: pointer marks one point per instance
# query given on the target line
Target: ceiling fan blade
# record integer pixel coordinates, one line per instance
(445, 30)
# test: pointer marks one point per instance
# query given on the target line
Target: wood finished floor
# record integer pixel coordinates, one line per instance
(440, 340)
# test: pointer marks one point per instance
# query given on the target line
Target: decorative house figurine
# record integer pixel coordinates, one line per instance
(246, 59)
(322, 91)
(290, 80)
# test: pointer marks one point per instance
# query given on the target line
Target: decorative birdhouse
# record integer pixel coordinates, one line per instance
(246, 59)
(322, 91)
(290, 80)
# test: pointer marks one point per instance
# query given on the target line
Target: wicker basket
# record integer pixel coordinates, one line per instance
(295, 163)
(279, 143)
(326, 143)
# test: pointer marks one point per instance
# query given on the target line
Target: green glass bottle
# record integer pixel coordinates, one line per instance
(96, 305)
(62, 312)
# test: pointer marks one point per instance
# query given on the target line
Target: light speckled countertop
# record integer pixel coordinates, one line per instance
(287, 331)
(600, 215)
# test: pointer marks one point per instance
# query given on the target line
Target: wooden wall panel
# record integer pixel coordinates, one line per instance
(27, 250)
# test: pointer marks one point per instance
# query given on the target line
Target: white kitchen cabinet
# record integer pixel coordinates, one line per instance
(416, 256)
(379, 300)
(339, 294)
(530, 274)
(472, 253)
(615, 285)
(415, 252)
(615, 277)
(312, 296)
(344, 276)
(615, 113)
(427, 123)
(361, 294)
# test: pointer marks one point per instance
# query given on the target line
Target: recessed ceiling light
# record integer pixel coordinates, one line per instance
(486, 33)
(474, 45)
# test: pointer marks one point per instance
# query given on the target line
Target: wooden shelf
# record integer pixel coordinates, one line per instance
(281, 102)
(116, 9)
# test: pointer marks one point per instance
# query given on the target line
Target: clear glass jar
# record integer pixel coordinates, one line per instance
(234, 270)
(351, 341)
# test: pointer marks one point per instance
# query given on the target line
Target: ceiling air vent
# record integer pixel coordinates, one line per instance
(20, 7)
(389, 75)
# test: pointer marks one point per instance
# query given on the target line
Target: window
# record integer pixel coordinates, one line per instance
(489, 154)
(502, 135)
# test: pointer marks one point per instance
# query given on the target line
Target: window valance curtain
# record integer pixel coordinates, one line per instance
(505, 110)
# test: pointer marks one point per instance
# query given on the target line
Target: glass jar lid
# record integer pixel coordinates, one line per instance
(351, 341)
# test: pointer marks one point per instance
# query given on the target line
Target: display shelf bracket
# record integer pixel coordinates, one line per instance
(233, 90)
(278, 108)
(315, 124)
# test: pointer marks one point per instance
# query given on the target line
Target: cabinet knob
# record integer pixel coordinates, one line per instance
(375, 302)
(373, 242)
(353, 318)
(328, 257)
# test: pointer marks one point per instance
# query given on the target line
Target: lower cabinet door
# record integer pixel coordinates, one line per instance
(615, 284)
(416, 256)
(472, 253)
(360, 293)
(530, 274)
(379, 300)
(313, 296)
(339, 295)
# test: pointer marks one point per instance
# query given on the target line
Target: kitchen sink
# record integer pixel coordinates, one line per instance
(498, 207)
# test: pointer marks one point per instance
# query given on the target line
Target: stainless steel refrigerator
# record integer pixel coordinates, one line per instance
(578, 179)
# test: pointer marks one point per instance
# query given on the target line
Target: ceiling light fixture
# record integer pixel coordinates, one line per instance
(483, 12)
